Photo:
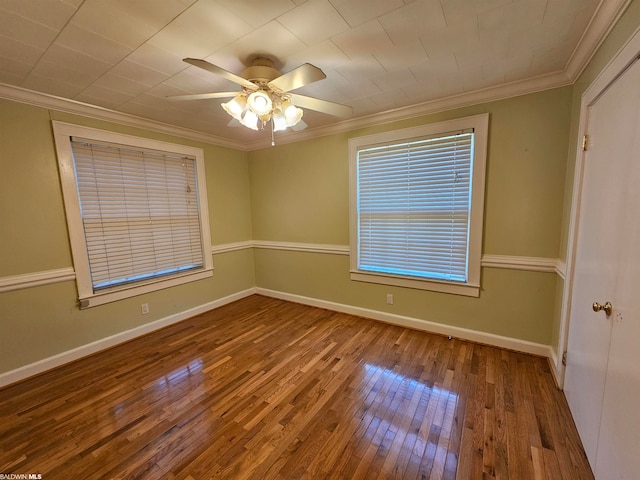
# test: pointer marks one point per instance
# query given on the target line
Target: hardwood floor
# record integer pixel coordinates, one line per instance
(266, 389)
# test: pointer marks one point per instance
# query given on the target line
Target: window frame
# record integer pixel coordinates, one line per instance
(63, 133)
(480, 126)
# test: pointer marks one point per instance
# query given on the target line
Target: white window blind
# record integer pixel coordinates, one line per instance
(413, 207)
(139, 212)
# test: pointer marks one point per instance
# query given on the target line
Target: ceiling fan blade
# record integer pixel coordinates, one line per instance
(210, 67)
(296, 78)
(201, 96)
(331, 108)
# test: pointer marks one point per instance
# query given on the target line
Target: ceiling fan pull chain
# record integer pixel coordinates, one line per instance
(273, 140)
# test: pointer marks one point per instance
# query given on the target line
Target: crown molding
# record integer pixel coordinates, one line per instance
(44, 100)
(607, 14)
(485, 95)
(499, 92)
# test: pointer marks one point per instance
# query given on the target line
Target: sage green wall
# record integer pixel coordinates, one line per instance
(512, 303)
(39, 322)
(34, 230)
(626, 26)
(300, 193)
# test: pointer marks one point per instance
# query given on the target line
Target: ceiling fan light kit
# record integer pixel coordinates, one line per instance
(292, 113)
(250, 120)
(260, 103)
(264, 96)
(236, 107)
(279, 120)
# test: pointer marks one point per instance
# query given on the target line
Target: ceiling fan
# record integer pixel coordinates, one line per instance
(266, 94)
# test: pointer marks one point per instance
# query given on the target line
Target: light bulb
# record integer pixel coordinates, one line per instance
(259, 102)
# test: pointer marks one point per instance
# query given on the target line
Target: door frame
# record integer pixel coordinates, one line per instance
(616, 67)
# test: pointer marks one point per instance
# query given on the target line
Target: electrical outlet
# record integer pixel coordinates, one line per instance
(390, 298)
(145, 308)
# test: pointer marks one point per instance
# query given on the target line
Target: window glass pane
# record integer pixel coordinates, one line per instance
(139, 212)
(413, 207)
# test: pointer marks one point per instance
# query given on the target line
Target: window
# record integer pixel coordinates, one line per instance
(417, 198)
(136, 211)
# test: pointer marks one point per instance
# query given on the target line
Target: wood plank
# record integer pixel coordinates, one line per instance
(268, 389)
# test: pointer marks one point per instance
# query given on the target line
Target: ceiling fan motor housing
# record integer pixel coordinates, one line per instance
(261, 71)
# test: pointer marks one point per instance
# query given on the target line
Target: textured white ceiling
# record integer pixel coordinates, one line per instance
(378, 55)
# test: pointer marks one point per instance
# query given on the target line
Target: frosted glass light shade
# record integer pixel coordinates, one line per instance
(294, 116)
(292, 113)
(236, 106)
(250, 120)
(279, 121)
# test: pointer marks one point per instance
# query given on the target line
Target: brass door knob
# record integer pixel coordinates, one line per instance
(607, 307)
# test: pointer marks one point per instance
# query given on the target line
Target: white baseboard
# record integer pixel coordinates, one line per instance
(418, 324)
(557, 368)
(553, 363)
(49, 363)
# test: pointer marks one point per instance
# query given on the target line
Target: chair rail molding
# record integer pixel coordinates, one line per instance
(333, 249)
(513, 262)
(510, 262)
(35, 279)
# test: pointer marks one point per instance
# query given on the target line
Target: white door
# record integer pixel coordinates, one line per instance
(606, 269)
(619, 443)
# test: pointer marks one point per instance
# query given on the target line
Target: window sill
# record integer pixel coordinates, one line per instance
(120, 293)
(466, 289)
